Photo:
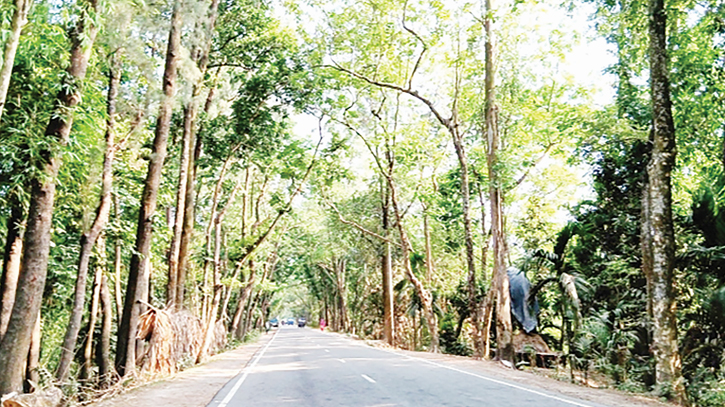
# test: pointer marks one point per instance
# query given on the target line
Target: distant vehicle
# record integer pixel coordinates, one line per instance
(274, 322)
(290, 321)
(301, 322)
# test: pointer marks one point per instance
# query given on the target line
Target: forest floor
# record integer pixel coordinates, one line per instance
(196, 386)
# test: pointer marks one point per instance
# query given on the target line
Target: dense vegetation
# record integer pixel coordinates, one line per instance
(380, 165)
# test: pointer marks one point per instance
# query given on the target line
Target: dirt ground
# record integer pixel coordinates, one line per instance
(195, 387)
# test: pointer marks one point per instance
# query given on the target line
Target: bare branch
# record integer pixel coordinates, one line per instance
(447, 123)
(538, 160)
(358, 226)
(420, 56)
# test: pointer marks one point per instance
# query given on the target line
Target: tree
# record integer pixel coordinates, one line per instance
(138, 277)
(658, 213)
(16, 341)
(89, 237)
(20, 18)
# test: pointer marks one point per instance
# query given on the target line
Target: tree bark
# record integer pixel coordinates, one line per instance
(117, 265)
(89, 238)
(201, 56)
(243, 296)
(668, 364)
(103, 350)
(217, 287)
(187, 231)
(15, 344)
(387, 269)
(20, 18)
(31, 370)
(125, 354)
(85, 373)
(504, 327)
(11, 263)
(425, 296)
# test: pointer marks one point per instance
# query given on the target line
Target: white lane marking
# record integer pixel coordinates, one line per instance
(574, 403)
(341, 360)
(247, 369)
(327, 350)
(368, 378)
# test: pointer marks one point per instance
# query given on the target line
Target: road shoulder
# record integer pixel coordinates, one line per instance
(194, 387)
(528, 379)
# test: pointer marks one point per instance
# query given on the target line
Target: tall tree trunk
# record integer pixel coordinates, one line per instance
(387, 269)
(125, 354)
(89, 238)
(15, 344)
(425, 296)
(473, 302)
(20, 18)
(11, 262)
(504, 327)
(201, 57)
(103, 350)
(189, 209)
(668, 364)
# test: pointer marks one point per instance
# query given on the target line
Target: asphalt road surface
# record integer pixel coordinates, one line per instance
(306, 367)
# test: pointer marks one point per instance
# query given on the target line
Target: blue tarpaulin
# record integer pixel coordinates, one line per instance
(519, 287)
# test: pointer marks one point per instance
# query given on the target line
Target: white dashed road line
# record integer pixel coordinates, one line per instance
(368, 378)
(247, 369)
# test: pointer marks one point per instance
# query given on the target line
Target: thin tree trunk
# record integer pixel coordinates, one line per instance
(243, 297)
(103, 350)
(85, 373)
(387, 270)
(20, 18)
(117, 264)
(187, 231)
(125, 355)
(425, 295)
(668, 364)
(217, 288)
(190, 114)
(340, 268)
(228, 294)
(89, 238)
(16, 341)
(186, 145)
(11, 263)
(207, 294)
(429, 266)
(31, 370)
(486, 308)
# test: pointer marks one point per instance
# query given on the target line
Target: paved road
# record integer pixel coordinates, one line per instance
(306, 367)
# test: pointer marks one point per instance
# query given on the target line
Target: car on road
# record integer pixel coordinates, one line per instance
(301, 322)
(274, 322)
